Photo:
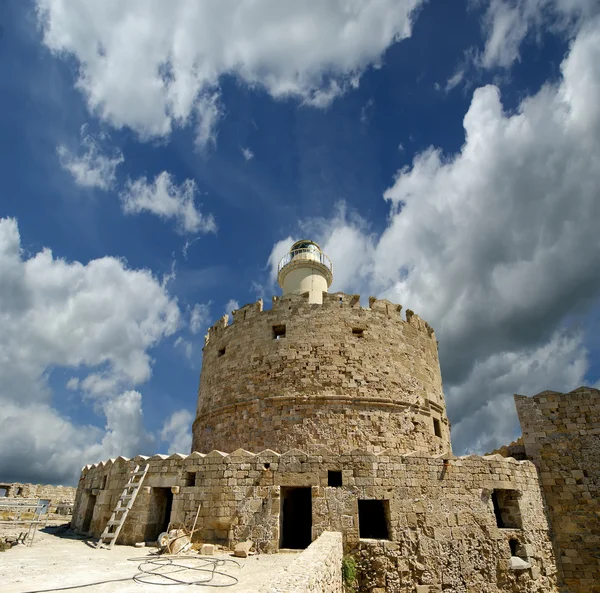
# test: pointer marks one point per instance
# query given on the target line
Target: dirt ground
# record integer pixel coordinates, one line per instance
(57, 561)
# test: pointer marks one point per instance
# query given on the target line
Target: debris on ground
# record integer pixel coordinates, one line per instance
(243, 549)
(174, 541)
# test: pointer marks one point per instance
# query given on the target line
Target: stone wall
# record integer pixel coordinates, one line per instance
(561, 432)
(439, 513)
(317, 570)
(55, 494)
(307, 375)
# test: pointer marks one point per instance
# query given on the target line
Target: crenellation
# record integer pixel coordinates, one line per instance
(320, 415)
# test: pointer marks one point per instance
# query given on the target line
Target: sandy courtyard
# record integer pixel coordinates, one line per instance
(58, 562)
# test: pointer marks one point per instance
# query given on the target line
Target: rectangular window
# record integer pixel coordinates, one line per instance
(334, 478)
(437, 428)
(221, 352)
(190, 479)
(506, 509)
(358, 332)
(278, 331)
(104, 479)
(373, 519)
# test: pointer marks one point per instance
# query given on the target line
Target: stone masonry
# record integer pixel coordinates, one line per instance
(442, 529)
(561, 432)
(57, 495)
(317, 418)
(337, 374)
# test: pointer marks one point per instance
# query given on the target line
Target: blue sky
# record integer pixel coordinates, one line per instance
(157, 162)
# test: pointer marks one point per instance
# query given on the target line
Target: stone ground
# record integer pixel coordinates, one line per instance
(56, 561)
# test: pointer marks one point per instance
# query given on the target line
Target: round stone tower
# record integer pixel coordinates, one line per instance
(318, 370)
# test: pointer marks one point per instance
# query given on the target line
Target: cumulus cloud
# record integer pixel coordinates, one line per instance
(507, 23)
(496, 245)
(177, 431)
(99, 319)
(150, 67)
(166, 199)
(96, 165)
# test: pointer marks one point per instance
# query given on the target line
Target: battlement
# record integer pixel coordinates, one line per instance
(308, 374)
(299, 304)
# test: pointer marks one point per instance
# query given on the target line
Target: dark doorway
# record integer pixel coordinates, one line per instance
(159, 513)
(296, 518)
(89, 513)
(373, 519)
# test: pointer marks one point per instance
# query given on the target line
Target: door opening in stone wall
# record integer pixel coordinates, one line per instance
(161, 505)
(89, 513)
(296, 517)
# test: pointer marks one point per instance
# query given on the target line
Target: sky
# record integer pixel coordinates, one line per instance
(159, 158)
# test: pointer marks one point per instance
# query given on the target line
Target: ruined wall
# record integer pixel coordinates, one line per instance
(317, 570)
(342, 376)
(443, 530)
(57, 495)
(561, 432)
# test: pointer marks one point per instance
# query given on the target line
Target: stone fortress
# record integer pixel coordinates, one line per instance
(320, 415)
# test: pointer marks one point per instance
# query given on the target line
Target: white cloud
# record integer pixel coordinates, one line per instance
(230, 306)
(94, 167)
(177, 432)
(199, 317)
(494, 245)
(37, 443)
(185, 345)
(166, 199)
(150, 67)
(100, 318)
(508, 22)
(247, 154)
(559, 364)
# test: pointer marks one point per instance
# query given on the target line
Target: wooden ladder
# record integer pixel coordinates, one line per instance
(117, 519)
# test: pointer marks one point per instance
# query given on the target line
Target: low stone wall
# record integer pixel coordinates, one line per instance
(317, 570)
(442, 524)
(61, 497)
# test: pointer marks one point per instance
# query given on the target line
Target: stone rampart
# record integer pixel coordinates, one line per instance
(307, 375)
(561, 432)
(60, 497)
(441, 525)
(317, 570)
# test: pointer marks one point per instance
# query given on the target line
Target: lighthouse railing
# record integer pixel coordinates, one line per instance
(305, 254)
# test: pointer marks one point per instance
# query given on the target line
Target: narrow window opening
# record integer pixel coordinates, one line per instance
(18, 491)
(373, 520)
(437, 428)
(358, 332)
(267, 465)
(104, 479)
(221, 352)
(334, 478)
(190, 479)
(506, 509)
(278, 331)
(516, 549)
(3, 492)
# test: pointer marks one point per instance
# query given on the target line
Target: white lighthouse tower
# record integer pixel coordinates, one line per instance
(305, 268)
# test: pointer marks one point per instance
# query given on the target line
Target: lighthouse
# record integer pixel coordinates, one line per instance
(305, 268)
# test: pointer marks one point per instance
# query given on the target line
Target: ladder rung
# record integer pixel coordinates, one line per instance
(108, 536)
(114, 523)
